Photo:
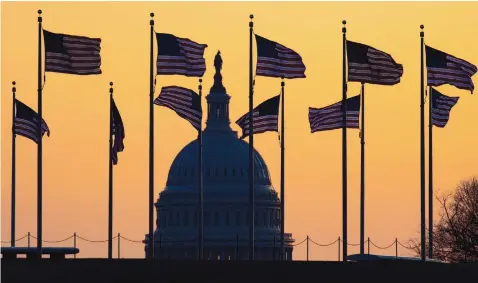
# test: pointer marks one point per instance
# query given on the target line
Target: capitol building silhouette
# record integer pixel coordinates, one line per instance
(226, 195)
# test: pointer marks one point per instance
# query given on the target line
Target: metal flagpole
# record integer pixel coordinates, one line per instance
(344, 145)
(430, 175)
(282, 171)
(362, 174)
(251, 147)
(39, 159)
(151, 145)
(200, 180)
(110, 190)
(422, 147)
(14, 90)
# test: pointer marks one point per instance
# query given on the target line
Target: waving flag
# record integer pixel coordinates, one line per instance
(118, 132)
(180, 56)
(71, 54)
(26, 122)
(185, 102)
(443, 68)
(441, 107)
(276, 60)
(265, 117)
(330, 117)
(369, 65)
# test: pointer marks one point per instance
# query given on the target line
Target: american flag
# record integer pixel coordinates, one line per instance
(118, 132)
(26, 122)
(369, 65)
(330, 117)
(441, 107)
(443, 68)
(264, 117)
(180, 56)
(185, 102)
(71, 54)
(276, 60)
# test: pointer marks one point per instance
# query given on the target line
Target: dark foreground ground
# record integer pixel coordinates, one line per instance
(138, 271)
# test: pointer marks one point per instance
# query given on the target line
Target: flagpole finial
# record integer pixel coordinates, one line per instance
(282, 83)
(152, 15)
(111, 87)
(14, 88)
(344, 29)
(422, 34)
(200, 84)
(39, 16)
(151, 22)
(251, 23)
(39, 12)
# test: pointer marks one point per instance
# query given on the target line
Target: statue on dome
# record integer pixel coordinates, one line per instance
(218, 87)
(218, 62)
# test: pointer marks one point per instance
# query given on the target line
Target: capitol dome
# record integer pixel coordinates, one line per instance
(225, 162)
(225, 166)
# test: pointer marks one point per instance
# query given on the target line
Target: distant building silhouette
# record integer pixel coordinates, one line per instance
(226, 195)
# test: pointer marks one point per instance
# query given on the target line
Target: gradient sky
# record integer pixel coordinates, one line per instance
(75, 156)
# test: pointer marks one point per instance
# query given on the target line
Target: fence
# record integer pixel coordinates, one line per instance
(75, 237)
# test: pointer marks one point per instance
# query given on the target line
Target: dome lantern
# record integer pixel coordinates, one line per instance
(218, 102)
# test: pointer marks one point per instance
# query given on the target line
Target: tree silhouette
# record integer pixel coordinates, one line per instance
(455, 235)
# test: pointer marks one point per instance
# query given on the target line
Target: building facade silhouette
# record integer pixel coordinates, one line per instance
(226, 195)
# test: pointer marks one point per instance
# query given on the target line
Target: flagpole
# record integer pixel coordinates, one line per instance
(422, 147)
(151, 145)
(362, 174)
(282, 171)
(344, 145)
(40, 157)
(251, 147)
(430, 175)
(14, 90)
(201, 189)
(110, 191)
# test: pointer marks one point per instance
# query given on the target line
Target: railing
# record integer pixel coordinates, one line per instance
(275, 243)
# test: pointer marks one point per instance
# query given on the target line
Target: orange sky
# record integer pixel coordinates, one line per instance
(75, 179)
